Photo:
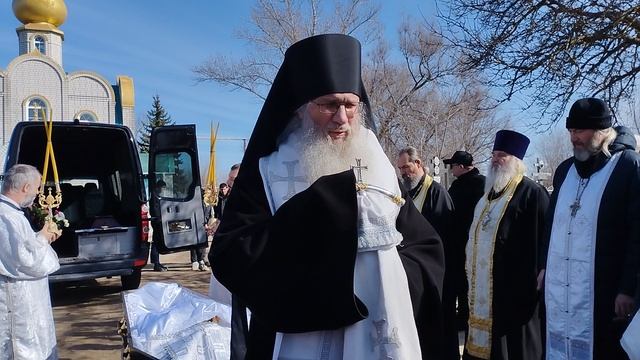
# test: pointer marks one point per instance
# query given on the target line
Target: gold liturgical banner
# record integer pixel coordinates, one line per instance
(210, 190)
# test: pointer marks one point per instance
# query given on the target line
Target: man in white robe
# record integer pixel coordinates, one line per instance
(26, 259)
(593, 253)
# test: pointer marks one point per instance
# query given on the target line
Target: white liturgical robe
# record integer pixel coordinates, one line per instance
(390, 330)
(26, 259)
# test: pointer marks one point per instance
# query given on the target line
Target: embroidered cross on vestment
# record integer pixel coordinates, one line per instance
(290, 178)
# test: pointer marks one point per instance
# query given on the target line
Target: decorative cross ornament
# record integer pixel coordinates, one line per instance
(358, 170)
(290, 178)
(385, 337)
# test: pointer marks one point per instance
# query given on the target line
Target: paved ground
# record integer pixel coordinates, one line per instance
(87, 314)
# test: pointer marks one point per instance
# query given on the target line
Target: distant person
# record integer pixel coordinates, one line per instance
(233, 173)
(197, 259)
(434, 203)
(26, 259)
(161, 188)
(466, 190)
(223, 195)
(593, 255)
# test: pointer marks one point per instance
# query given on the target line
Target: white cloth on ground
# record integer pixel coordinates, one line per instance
(167, 321)
(26, 259)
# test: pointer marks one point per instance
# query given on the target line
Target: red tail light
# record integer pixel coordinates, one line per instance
(144, 212)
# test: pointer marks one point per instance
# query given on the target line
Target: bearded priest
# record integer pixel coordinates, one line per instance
(317, 238)
(593, 256)
(502, 258)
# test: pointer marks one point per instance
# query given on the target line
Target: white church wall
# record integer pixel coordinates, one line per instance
(88, 92)
(4, 136)
(33, 75)
(129, 119)
(53, 44)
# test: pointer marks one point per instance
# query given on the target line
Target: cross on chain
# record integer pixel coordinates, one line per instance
(383, 339)
(574, 208)
(358, 169)
(486, 221)
(582, 186)
(290, 178)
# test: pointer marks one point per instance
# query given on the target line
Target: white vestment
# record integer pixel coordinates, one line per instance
(569, 285)
(26, 259)
(380, 280)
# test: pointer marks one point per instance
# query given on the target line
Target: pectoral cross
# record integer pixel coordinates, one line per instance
(486, 221)
(574, 208)
(358, 170)
(290, 178)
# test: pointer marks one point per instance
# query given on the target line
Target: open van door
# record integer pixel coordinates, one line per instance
(175, 193)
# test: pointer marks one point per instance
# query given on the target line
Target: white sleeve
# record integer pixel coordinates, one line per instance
(23, 253)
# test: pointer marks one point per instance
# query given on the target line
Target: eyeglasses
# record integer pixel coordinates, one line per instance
(330, 108)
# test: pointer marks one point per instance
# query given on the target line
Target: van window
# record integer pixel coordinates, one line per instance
(174, 175)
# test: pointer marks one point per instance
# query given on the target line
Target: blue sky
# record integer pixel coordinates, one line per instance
(157, 43)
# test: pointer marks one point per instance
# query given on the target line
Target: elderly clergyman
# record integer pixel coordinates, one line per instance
(317, 239)
(593, 254)
(502, 258)
(26, 259)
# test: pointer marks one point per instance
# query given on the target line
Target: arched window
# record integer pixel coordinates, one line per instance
(34, 107)
(39, 43)
(86, 116)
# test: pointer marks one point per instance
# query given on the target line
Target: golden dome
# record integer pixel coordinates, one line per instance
(53, 12)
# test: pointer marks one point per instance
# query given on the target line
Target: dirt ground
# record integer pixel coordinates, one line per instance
(87, 314)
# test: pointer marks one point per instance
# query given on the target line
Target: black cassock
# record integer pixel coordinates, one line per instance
(617, 257)
(438, 210)
(294, 269)
(518, 241)
(465, 192)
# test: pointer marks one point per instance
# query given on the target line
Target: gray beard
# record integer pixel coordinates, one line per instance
(322, 156)
(590, 149)
(410, 183)
(28, 201)
(498, 177)
(581, 154)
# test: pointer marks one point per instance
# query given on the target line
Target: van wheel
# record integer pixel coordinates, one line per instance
(131, 282)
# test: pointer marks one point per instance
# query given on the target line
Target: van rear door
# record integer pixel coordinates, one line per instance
(175, 201)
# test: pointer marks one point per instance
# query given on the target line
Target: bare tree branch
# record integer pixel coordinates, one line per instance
(549, 51)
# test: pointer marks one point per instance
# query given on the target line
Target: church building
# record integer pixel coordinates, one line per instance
(36, 79)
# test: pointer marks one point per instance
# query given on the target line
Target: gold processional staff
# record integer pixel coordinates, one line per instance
(48, 201)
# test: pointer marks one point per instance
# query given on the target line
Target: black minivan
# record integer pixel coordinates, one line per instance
(104, 196)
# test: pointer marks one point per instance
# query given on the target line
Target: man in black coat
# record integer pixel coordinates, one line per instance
(465, 191)
(316, 238)
(593, 255)
(434, 203)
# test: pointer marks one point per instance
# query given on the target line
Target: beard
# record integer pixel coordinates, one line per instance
(589, 149)
(27, 202)
(323, 156)
(499, 176)
(409, 182)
